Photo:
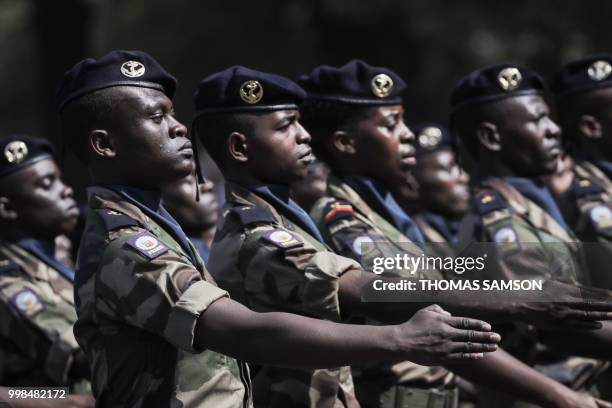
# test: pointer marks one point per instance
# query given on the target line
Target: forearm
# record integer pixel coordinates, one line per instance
(290, 340)
(502, 372)
(586, 343)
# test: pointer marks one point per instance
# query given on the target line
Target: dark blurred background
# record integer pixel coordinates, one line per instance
(431, 43)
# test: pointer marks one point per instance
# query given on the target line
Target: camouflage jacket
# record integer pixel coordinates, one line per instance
(525, 241)
(38, 345)
(138, 299)
(354, 230)
(267, 262)
(587, 206)
(437, 244)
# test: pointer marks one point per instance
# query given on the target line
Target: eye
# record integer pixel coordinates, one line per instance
(46, 182)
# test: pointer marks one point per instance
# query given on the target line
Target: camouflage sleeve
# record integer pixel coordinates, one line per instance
(284, 272)
(39, 332)
(143, 283)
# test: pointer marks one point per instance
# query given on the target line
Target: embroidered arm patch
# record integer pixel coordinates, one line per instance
(283, 239)
(148, 245)
(27, 303)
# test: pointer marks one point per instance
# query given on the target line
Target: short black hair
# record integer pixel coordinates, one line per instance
(82, 115)
(213, 130)
(323, 118)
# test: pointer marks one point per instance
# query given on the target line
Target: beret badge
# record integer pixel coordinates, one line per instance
(251, 92)
(599, 70)
(382, 85)
(133, 69)
(509, 78)
(430, 137)
(16, 152)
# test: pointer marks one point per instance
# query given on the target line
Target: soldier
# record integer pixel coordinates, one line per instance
(583, 94)
(38, 345)
(197, 218)
(355, 112)
(156, 329)
(503, 122)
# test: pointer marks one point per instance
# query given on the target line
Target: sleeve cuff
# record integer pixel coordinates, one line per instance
(180, 328)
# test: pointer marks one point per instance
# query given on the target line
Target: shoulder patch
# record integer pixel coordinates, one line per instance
(363, 244)
(251, 214)
(283, 239)
(147, 245)
(488, 201)
(337, 210)
(601, 217)
(27, 303)
(507, 240)
(7, 266)
(114, 220)
(583, 187)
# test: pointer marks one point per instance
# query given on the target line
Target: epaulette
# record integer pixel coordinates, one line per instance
(583, 187)
(251, 214)
(488, 201)
(114, 220)
(7, 266)
(337, 210)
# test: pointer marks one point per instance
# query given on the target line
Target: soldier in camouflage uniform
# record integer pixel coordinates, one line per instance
(503, 124)
(267, 252)
(38, 345)
(156, 328)
(354, 120)
(583, 95)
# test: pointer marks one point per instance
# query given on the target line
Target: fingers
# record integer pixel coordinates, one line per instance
(461, 357)
(476, 336)
(582, 325)
(469, 324)
(589, 305)
(437, 309)
(586, 315)
(471, 347)
(603, 404)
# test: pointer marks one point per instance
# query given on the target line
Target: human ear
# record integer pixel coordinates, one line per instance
(237, 147)
(589, 127)
(7, 210)
(102, 144)
(488, 136)
(344, 142)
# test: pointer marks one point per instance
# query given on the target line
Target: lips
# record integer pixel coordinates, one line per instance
(186, 147)
(306, 156)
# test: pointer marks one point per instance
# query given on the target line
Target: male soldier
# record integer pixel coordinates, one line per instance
(355, 112)
(38, 345)
(197, 218)
(502, 121)
(583, 94)
(154, 325)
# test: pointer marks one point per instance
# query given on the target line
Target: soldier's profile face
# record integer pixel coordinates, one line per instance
(44, 204)
(384, 145)
(279, 147)
(530, 139)
(443, 185)
(151, 144)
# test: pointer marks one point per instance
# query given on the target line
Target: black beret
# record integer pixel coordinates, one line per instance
(240, 89)
(131, 68)
(586, 74)
(495, 82)
(21, 151)
(354, 83)
(430, 137)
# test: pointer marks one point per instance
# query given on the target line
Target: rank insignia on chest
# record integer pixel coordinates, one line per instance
(147, 245)
(283, 239)
(601, 216)
(27, 302)
(338, 211)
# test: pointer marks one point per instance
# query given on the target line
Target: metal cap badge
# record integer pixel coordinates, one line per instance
(509, 78)
(16, 152)
(599, 70)
(430, 137)
(133, 69)
(251, 92)
(382, 85)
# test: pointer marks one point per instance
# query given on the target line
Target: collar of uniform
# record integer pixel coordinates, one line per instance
(237, 194)
(339, 189)
(104, 198)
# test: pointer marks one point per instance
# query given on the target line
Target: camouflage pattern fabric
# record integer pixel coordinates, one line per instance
(38, 347)
(269, 263)
(354, 230)
(138, 299)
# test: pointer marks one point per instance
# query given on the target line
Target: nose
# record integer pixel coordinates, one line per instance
(177, 129)
(302, 136)
(67, 191)
(553, 130)
(406, 135)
